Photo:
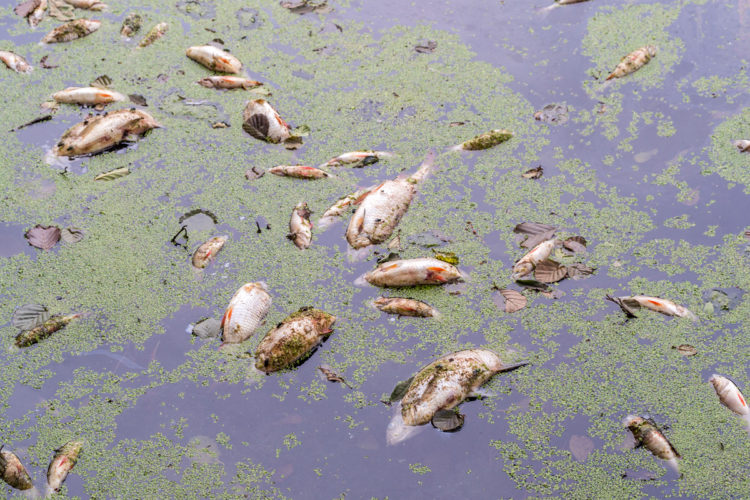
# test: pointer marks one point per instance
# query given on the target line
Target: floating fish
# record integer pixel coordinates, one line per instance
(292, 339)
(405, 307)
(298, 171)
(648, 435)
(360, 158)
(245, 312)
(633, 61)
(538, 254)
(13, 471)
(261, 121)
(381, 210)
(87, 96)
(207, 251)
(73, 30)
(36, 16)
(300, 227)
(15, 62)
(87, 4)
(63, 462)
(214, 58)
(131, 25)
(485, 141)
(41, 332)
(664, 306)
(153, 35)
(412, 272)
(102, 132)
(228, 82)
(342, 204)
(730, 396)
(743, 144)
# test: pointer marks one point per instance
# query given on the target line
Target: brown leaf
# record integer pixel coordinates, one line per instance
(686, 350)
(332, 376)
(254, 173)
(534, 173)
(533, 284)
(514, 301)
(25, 8)
(448, 420)
(576, 244)
(549, 271)
(532, 228)
(579, 271)
(581, 447)
(138, 99)
(71, 235)
(535, 239)
(426, 47)
(44, 237)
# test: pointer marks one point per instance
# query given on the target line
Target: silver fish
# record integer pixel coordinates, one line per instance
(633, 61)
(13, 472)
(358, 157)
(73, 30)
(15, 62)
(298, 171)
(342, 204)
(214, 58)
(153, 35)
(300, 227)
(87, 4)
(412, 272)
(664, 306)
(63, 462)
(261, 121)
(528, 262)
(228, 82)
(647, 434)
(205, 253)
(245, 312)
(87, 96)
(730, 395)
(405, 307)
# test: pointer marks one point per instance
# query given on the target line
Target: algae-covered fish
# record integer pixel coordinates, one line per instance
(245, 312)
(730, 396)
(485, 141)
(15, 62)
(292, 339)
(214, 58)
(73, 30)
(405, 307)
(633, 61)
(41, 332)
(87, 96)
(359, 158)
(300, 227)
(298, 171)
(153, 35)
(62, 463)
(647, 434)
(131, 25)
(342, 204)
(102, 132)
(205, 253)
(412, 272)
(528, 262)
(261, 121)
(87, 4)
(381, 210)
(228, 82)
(13, 472)
(663, 306)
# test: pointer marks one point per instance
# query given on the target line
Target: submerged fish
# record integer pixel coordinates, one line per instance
(205, 253)
(73, 30)
(131, 25)
(730, 396)
(342, 204)
(298, 171)
(743, 144)
(214, 58)
(245, 312)
(153, 35)
(405, 307)
(87, 96)
(261, 121)
(648, 435)
(664, 306)
(300, 227)
(485, 141)
(13, 471)
(102, 132)
(381, 210)
(412, 272)
(228, 82)
(292, 339)
(87, 4)
(41, 332)
(633, 61)
(15, 62)
(361, 158)
(63, 462)
(528, 262)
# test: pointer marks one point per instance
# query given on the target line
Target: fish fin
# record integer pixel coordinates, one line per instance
(428, 164)
(514, 366)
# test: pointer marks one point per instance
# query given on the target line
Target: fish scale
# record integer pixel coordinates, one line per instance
(245, 312)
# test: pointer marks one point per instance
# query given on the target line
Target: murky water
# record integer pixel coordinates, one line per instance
(643, 168)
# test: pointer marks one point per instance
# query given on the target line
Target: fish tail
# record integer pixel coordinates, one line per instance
(425, 168)
(610, 76)
(514, 366)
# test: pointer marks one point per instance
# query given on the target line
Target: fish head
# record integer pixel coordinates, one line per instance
(632, 422)
(397, 430)
(522, 269)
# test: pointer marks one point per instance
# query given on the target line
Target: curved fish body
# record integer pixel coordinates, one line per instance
(63, 462)
(153, 35)
(633, 61)
(73, 30)
(292, 339)
(261, 121)
(228, 82)
(131, 25)
(13, 471)
(87, 4)
(381, 210)
(404, 307)
(412, 272)
(205, 253)
(245, 312)
(87, 96)
(102, 132)
(214, 58)
(743, 144)
(300, 227)
(361, 158)
(485, 141)
(664, 306)
(15, 62)
(41, 332)
(342, 205)
(528, 262)
(298, 171)
(730, 395)
(648, 435)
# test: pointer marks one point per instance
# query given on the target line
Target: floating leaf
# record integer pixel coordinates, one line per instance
(449, 257)
(306, 6)
(426, 47)
(552, 113)
(580, 447)
(456, 124)
(102, 82)
(549, 271)
(44, 237)
(207, 329)
(60, 10)
(579, 271)
(576, 244)
(534, 173)
(29, 316)
(686, 350)
(512, 300)
(448, 420)
(625, 307)
(25, 8)
(44, 62)
(113, 174)
(332, 376)
(71, 235)
(395, 243)
(400, 390)
(254, 173)
(533, 284)
(428, 239)
(532, 228)
(138, 99)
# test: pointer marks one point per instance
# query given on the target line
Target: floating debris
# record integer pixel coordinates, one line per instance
(71, 235)
(138, 99)
(43, 237)
(229, 82)
(533, 173)
(39, 119)
(580, 447)
(207, 329)
(647, 434)
(576, 244)
(306, 6)
(15, 62)
(88, 4)
(63, 462)
(549, 271)
(485, 141)
(537, 232)
(131, 25)
(214, 58)
(448, 420)
(87, 96)
(261, 121)
(207, 252)
(578, 271)
(29, 316)
(113, 174)
(412, 272)
(60, 10)
(254, 173)
(357, 159)
(512, 300)
(426, 47)
(332, 376)
(340, 207)
(528, 262)
(245, 312)
(41, 332)
(300, 227)
(686, 350)
(153, 35)
(633, 61)
(555, 114)
(664, 306)
(13, 471)
(730, 395)
(449, 257)
(25, 8)
(405, 307)
(743, 144)
(298, 171)
(45, 63)
(72, 31)
(558, 3)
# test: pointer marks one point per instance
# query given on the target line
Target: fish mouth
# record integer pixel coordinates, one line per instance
(398, 431)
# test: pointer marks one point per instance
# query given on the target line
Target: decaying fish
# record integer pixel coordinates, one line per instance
(13, 471)
(664, 306)
(73, 30)
(207, 251)
(261, 121)
(298, 171)
(153, 35)
(485, 141)
(15, 62)
(87, 4)
(342, 204)
(360, 158)
(292, 339)
(63, 462)
(743, 144)
(245, 312)
(87, 96)
(228, 82)
(405, 307)
(648, 435)
(730, 396)
(41, 332)
(528, 262)
(102, 132)
(214, 58)
(412, 272)
(300, 227)
(131, 25)
(36, 16)
(633, 61)
(442, 385)
(381, 210)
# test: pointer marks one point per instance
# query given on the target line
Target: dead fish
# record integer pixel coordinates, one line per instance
(528, 262)
(485, 141)
(214, 58)
(261, 121)
(648, 435)
(228, 82)
(558, 3)
(743, 144)
(730, 396)
(381, 210)
(153, 35)
(87, 96)
(342, 204)
(87, 4)
(73, 30)
(361, 158)
(131, 25)
(15, 62)
(101, 132)
(300, 227)
(412, 272)
(292, 339)
(405, 307)
(245, 312)
(298, 171)
(633, 61)
(664, 306)
(63, 462)
(41, 332)
(13, 471)
(36, 16)
(207, 251)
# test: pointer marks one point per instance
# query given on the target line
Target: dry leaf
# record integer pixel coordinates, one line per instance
(400, 390)
(25, 8)
(581, 447)
(552, 113)
(579, 271)
(44, 237)
(138, 99)
(71, 235)
(532, 228)
(456, 124)
(549, 271)
(332, 376)
(514, 301)
(426, 47)
(534, 173)
(576, 244)
(686, 350)
(448, 420)
(254, 173)
(29, 316)
(625, 308)
(551, 294)
(113, 174)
